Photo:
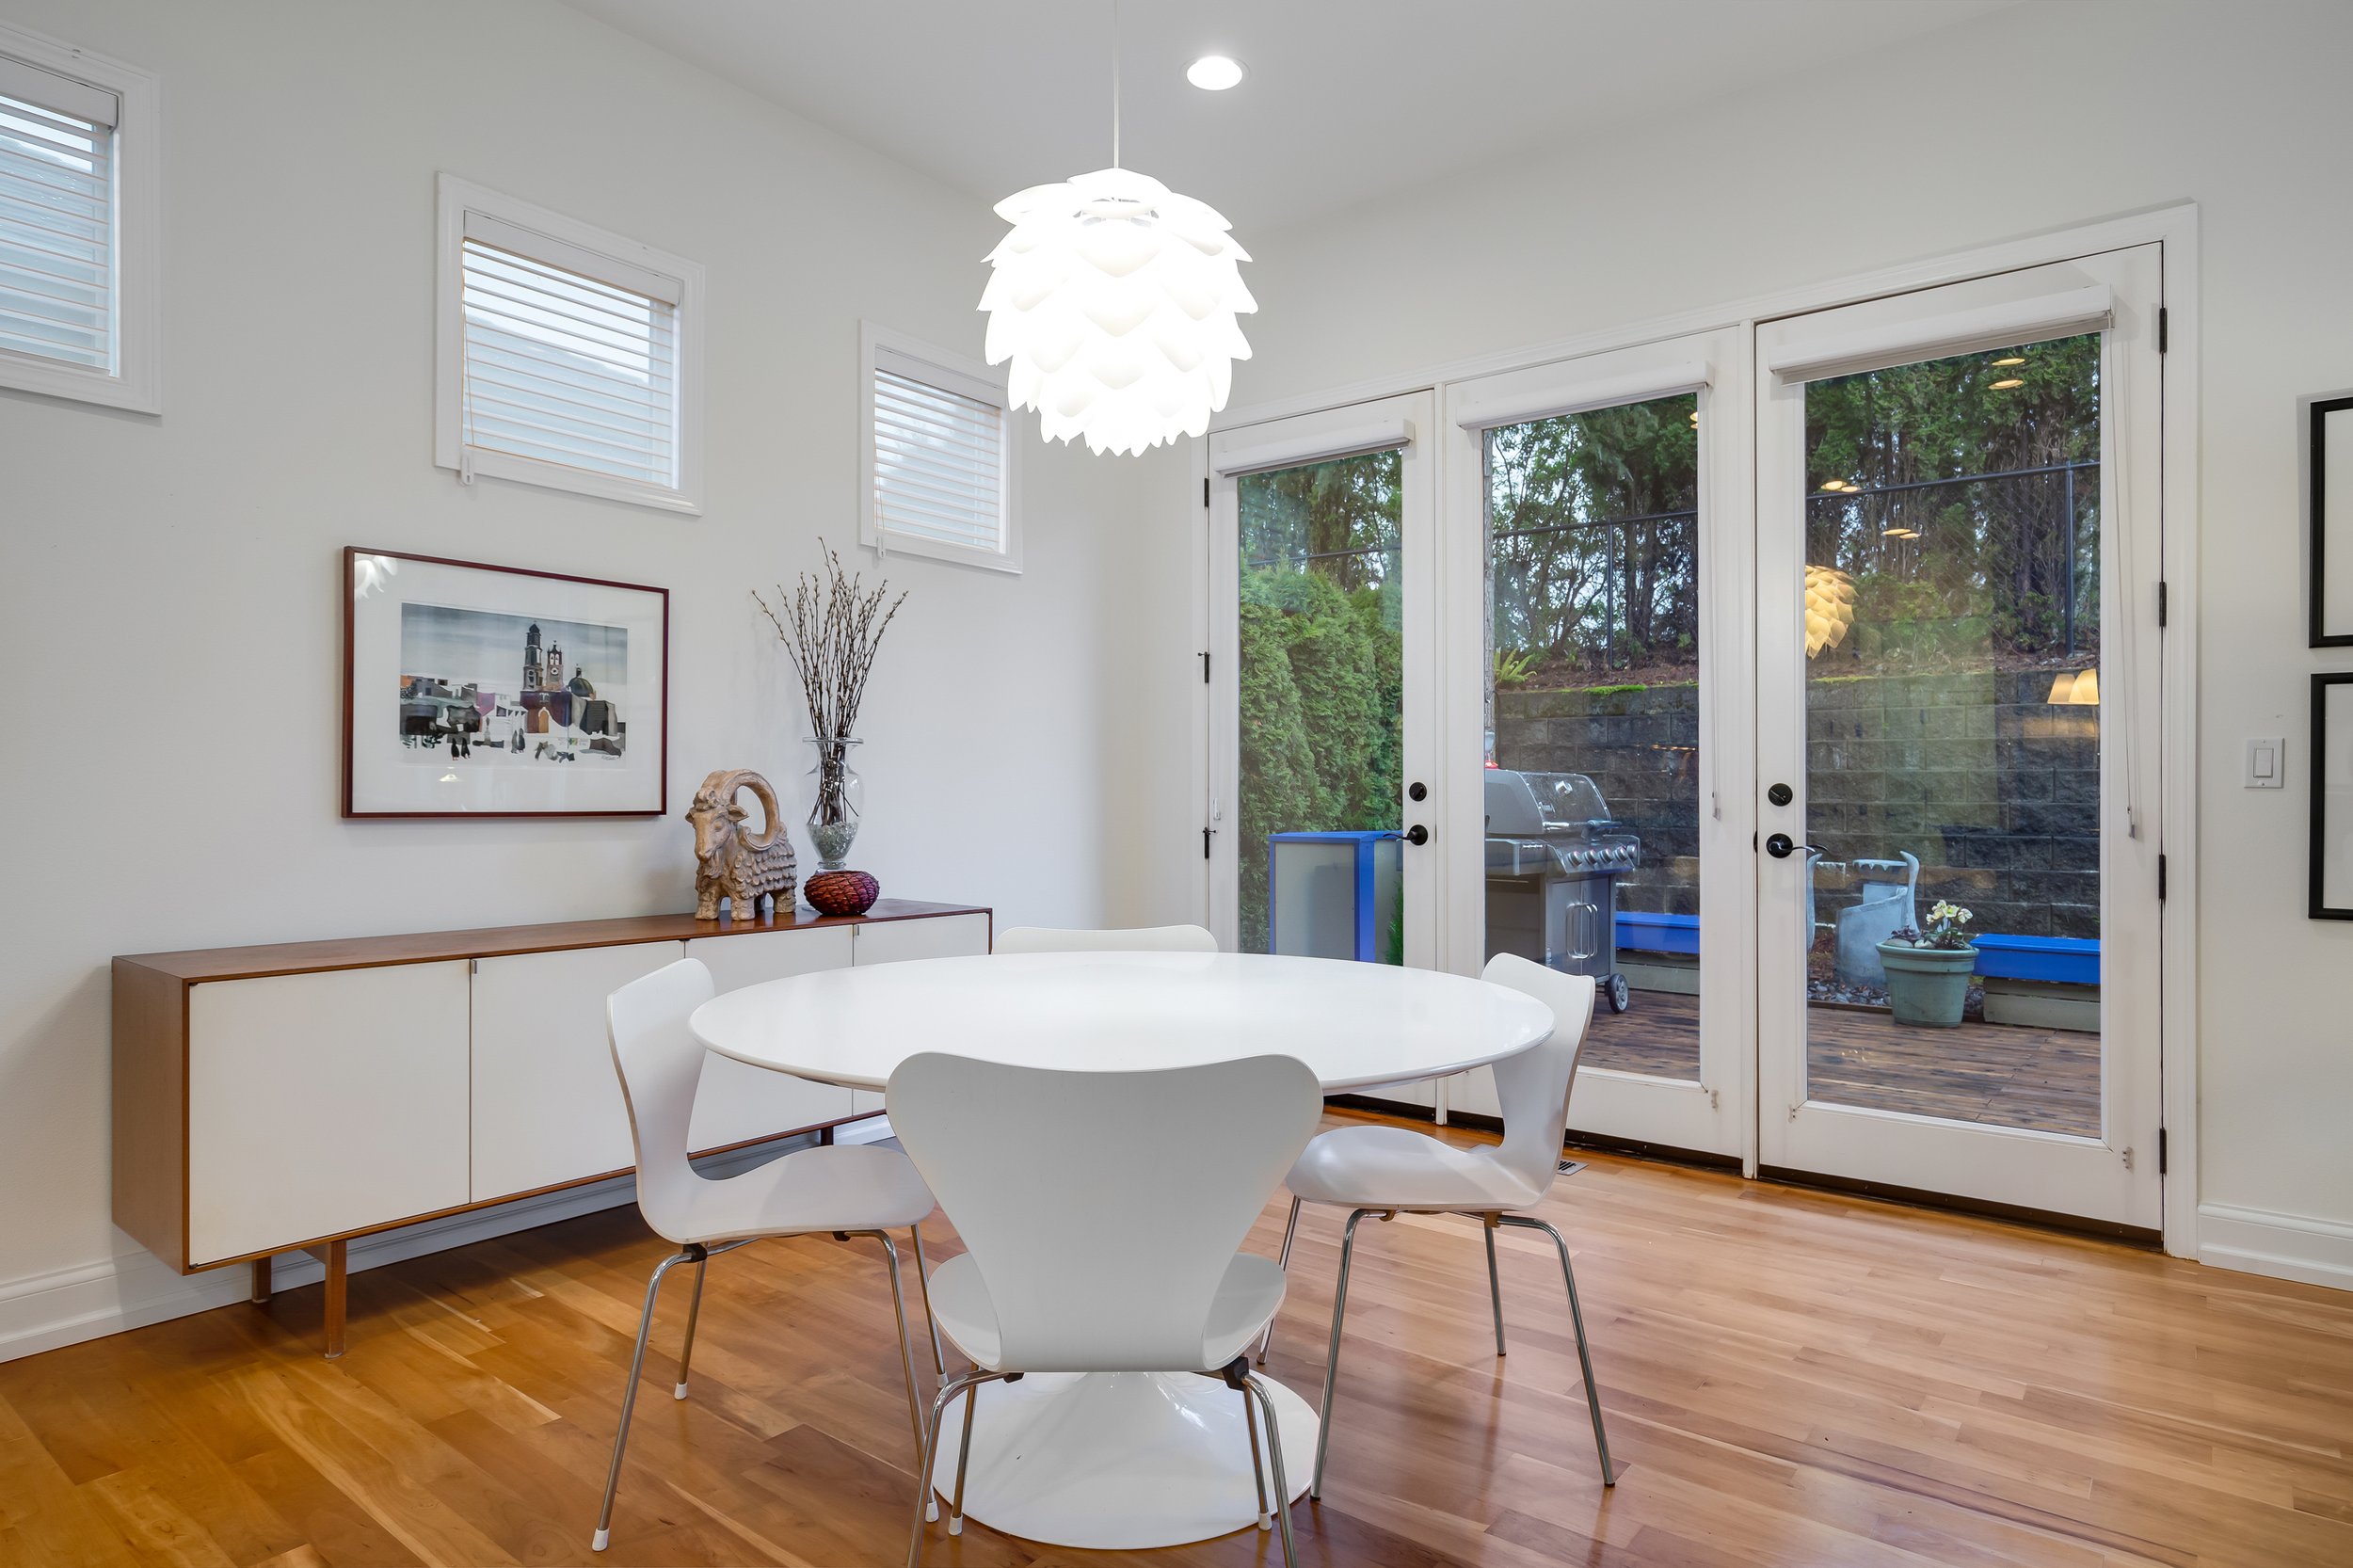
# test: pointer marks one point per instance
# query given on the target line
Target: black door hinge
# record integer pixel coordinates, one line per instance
(1205, 669)
(2161, 329)
(1204, 844)
(2160, 1151)
(2161, 605)
(1205, 489)
(2160, 877)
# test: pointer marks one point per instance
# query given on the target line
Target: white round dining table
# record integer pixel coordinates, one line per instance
(1122, 1460)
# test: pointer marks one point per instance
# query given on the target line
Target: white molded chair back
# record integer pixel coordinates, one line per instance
(661, 1064)
(1102, 1208)
(1532, 1088)
(1149, 938)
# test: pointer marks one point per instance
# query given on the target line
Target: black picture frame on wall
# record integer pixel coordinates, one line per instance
(473, 690)
(2333, 796)
(2328, 432)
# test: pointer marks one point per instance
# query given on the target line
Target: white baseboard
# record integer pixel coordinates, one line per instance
(2285, 1246)
(88, 1301)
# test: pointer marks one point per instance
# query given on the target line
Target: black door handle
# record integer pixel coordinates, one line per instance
(1781, 845)
(1417, 834)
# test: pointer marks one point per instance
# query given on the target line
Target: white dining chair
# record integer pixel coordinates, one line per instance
(1146, 938)
(848, 1190)
(1104, 1213)
(1388, 1171)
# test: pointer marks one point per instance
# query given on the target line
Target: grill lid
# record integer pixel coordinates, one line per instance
(1542, 802)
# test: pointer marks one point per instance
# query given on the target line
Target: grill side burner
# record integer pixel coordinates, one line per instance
(1554, 858)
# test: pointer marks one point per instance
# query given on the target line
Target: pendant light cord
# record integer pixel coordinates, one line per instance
(1114, 84)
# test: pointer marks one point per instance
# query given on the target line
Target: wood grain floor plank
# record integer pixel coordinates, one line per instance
(1793, 1379)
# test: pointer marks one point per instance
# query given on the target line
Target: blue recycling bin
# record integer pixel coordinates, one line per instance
(1333, 895)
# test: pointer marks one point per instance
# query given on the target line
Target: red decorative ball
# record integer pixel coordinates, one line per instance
(841, 893)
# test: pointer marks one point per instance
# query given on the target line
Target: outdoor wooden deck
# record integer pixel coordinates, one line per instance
(2046, 1079)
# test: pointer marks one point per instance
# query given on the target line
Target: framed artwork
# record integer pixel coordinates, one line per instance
(481, 691)
(2332, 797)
(2328, 457)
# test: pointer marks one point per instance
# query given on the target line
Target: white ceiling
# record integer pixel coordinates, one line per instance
(1345, 99)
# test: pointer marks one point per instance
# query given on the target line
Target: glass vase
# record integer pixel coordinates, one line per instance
(838, 801)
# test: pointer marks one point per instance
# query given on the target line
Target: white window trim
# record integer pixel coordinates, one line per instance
(571, 237)
(881, 348)
(136, 380)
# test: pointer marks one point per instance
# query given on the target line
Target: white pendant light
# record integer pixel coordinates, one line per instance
(1114, 300)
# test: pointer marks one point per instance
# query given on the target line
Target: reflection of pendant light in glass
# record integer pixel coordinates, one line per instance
(1829, 608)
(1114, 300)
(2076, 689)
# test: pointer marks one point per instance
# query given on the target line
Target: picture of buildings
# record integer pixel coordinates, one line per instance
(489, 687)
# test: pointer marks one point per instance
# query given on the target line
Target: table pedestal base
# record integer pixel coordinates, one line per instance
(1116, 1460)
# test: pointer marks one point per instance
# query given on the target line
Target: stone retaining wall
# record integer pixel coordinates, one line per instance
(1993, 787)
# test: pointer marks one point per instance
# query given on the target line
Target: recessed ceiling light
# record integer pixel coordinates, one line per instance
(1214, 72)
(2013, 359)
(2007, 383)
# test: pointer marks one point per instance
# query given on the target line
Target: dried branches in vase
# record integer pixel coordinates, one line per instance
(831, 627)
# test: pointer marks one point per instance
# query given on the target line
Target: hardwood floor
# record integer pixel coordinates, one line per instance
(1790, 1378)
(2043, 1078)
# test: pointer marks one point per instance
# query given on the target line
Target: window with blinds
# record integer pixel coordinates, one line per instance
(58, 243)
(939, 475)
(563, 367)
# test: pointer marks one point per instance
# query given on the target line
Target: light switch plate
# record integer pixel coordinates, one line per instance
(2266, 763)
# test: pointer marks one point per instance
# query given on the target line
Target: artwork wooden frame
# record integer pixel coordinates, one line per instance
(2332, 797)
(2328, 435)
(457, 703)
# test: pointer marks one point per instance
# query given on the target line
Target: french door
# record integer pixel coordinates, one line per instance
(1322, 787)
(1959, 546)
(1595, 567)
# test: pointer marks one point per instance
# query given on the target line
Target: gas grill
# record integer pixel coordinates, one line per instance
(1554, 858)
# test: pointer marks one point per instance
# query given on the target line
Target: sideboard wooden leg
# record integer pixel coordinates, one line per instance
(261, 1280)
(824, 1136)
(332, 1255)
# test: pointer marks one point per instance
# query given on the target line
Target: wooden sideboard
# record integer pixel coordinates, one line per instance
(271, 1100)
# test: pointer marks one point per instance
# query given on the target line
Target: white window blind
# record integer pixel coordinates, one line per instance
(939, 463)
(57, 263)
(561, 366)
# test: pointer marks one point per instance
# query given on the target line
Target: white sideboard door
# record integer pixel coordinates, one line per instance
(547, 1105)
(321, 1104)
(736, 1102)
(897, 941)
(947, 936)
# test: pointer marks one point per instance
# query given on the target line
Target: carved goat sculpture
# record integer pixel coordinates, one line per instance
(730, 863)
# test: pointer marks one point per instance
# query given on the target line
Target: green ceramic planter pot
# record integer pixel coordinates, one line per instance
(1927, 985)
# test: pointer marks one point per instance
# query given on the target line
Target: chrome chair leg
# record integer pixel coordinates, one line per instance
(906, 1346)
(1282, 1483)
(1495, 1281)
(964, 1457)
(1331, 1367)
(1257, 1465)
(930, 1444)
(1283, 1261)
(628, 1396)
(693, 1311)
(1584, 1356)
(923, 1284)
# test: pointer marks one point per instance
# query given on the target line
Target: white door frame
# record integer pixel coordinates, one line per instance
(2177, 227)
(2112, 1177)
(1405, 424)
(1708, 1115)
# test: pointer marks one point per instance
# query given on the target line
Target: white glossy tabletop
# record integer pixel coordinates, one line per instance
(1354, 1025)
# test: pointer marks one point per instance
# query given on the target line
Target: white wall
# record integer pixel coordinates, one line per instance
(168, 586)
(2036, 118)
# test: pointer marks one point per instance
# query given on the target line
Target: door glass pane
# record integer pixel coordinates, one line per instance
(1321, 700)
(1593, 784)
(1952, 615)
